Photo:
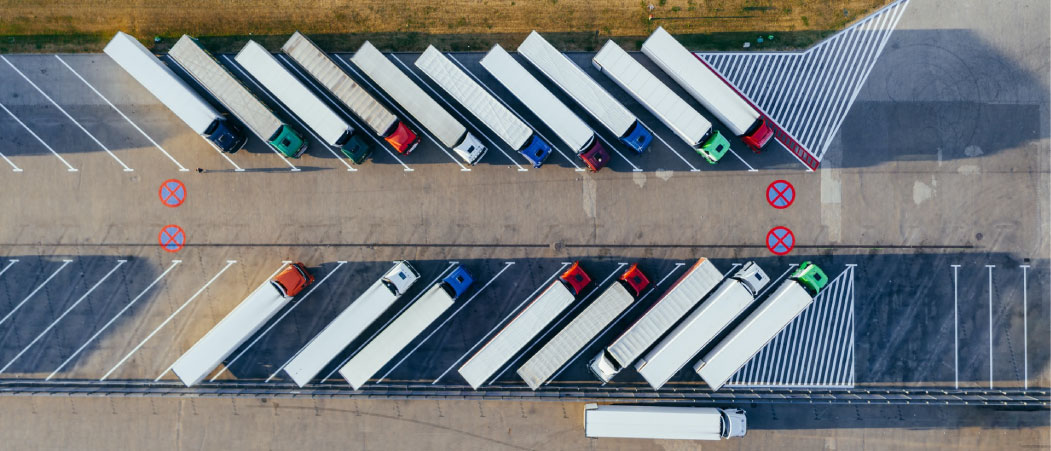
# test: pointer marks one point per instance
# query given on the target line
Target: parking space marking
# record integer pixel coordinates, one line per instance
(519, 116)
(492, 142)
(515, 310)
(956, 321)
(6, 317)
(14, 168)
(167, 320)
(610, 147)
(772, 284)
(63, 315)
(750, 168)
(406, 115)
(10, 263)
(121, 113)
(669, 147)
(990, 268)
(1025, 325)
(112, 320)
(259, 336)
(63, 111)
(447, 319)
(69, 167)
(244, 76)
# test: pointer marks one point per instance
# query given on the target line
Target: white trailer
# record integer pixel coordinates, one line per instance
(571, 339)
(412, 322)
(421, 106)
(687, 292)
(524, 327)
(552, 112)
(173, 92)
(724, 305)
(585, 91)
(660, 100)
(350, 323)
(670, 423)
(235, 97)
(708, 88)
(762, 325)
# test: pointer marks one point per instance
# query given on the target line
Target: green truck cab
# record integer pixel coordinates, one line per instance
(289, 142)
(714, 147)
(356, 148)
(810, 277)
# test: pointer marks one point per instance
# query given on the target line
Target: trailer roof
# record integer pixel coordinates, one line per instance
(654, 422)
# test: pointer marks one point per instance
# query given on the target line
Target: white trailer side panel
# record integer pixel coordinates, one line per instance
(396, 336)
(338, 334)
(679, 299)
(516, 334)
(221, 84)
(559, 118)
(660, 100)
(159, 79)
(699, 80)
(276, 78)
(653, 422)
(694, 333)
(471, 95)
(326, 72)
(410, 96)
(571, 339)
(232, 331)
(749, 337)
(572, 79)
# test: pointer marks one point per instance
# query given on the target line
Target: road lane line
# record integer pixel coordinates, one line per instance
(69, 167)
(956, 321)
(35, 290)
(244, 75)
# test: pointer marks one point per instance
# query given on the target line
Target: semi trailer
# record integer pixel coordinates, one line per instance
(659, 422)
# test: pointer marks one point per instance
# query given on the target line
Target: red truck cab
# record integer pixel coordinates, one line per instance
(293, 279)
(576, 278)
(635, 280)
(759, 135)
(403, 139)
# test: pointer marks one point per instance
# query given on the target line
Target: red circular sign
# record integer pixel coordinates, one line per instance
(172, 238)
(780, 240)
(172, 193)
(780, 194)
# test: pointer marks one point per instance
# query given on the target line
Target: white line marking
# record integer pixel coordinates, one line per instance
(990, 267)
(63, 111)
(513, 311)
(35, 290)
(210, 144)
(669, 147)
(108, 323)
(321, 141)
(750, 168)
(167, 320)
(244, 75)
(14, 168)
(69, 168)
(10, 263)
(1025, 325)
(121, 113)
(778, 279)
(956, 321)
(63, 315)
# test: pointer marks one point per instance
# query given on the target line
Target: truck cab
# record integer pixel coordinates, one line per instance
(752, 277)
(470, 149)
(714, 147)
(289, 142)
(292, 280)
(638, 138)
(635, 280)
(354, 147)
(734, 423)
(400, 277)
(758, 135)
(604, 366)
(536, 151)
(457, 282)
(596, 157)
(226, 136)
(402, 138)
(810, 277)
(575, 278)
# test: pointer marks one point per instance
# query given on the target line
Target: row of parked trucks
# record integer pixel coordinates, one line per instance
(702, 310)
(326, 110)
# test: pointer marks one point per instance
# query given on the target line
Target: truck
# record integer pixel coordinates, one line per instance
(199, 64)
(586, 92)
(525, 326)
(376, 116)
(705, 85)
(659, 422)
(582, 329)
(241, 323)
(277, 79)
(450, 132)
(174, 93)
(559, 118)
(350, 323)
(660, 100)
(682, 296)
(761, 325)
(718, 310)
(483, 106)
(412, 322)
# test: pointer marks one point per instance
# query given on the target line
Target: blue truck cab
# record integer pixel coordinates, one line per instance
(638, 138)
(226, 136)
(536, 151)
(457, 282)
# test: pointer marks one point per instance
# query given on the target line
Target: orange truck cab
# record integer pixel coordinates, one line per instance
(293, 279)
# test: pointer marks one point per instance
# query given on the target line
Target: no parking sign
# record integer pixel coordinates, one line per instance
(780, 240)
(780, 194)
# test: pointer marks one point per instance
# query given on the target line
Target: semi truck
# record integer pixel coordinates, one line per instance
(174, 93)
(705, 85)
(524, 327)
(450, 132)
(586, 92)
(483, 106)
(376, 116)
(682, 296)
(658, 422)
(411, 323)
(350, 323)
(277, 79)
(660, 100)
(718, 310)
(761, 325)
(582, 329)
(559, 118)
(197, 62)
(241, 323)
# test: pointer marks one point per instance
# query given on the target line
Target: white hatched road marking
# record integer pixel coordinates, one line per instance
(245, 76)
(35, 290)
(69, 167)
